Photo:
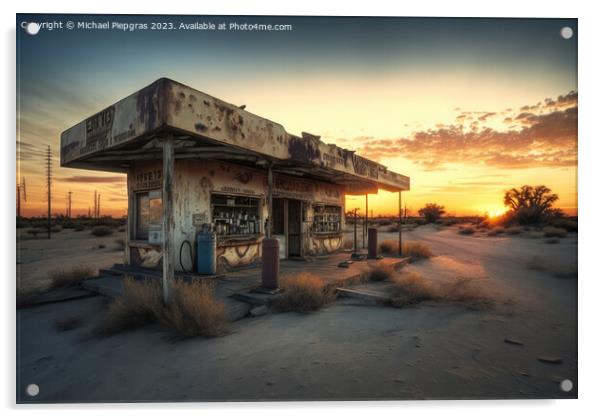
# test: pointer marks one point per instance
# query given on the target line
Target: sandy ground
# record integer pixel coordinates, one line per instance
(66, 249)
(430, 351)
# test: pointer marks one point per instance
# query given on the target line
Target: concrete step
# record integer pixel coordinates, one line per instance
(372, 297)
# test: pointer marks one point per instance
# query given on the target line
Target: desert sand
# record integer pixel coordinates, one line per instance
(346, 351)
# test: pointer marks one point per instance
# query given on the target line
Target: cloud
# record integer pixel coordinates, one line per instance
(93, 179)
(540, 140)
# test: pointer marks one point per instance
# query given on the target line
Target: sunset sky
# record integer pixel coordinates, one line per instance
(467, 108)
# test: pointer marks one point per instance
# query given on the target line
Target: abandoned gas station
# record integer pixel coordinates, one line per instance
(213, 187)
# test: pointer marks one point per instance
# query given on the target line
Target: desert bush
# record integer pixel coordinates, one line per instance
(552, 241)
(530, 205)
(393, 228)
(416, 250)
(303, 292)
(565, 223)
(465, 291)
(193, 311)
(513, 230)
(411, 287)
(536, 263)
(34, 232)
(552, 231)
(67, 324)
(431, 212)
(64, 277)
(379, 272)
(101, 231)
(388, 246)
(468, 230)
(495, 232)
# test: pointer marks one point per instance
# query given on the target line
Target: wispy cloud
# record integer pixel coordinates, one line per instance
(540, 140)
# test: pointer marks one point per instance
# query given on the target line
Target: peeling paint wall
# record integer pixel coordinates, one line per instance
(195, 181)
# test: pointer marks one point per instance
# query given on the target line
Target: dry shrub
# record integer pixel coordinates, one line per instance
(536, 263)
(514, 230)
(465, 291)
(389, 246)
(468, 230)
(135, 307)
(552, 231)
(64, 277)
(411, 287)
(193, 311)
(565, 223)
(303, 292)
(495, 232)
(379, 272)
(67, 324)
(101, 231)
(416, 250)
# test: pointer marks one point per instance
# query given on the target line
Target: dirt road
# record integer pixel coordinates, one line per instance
(430, 351)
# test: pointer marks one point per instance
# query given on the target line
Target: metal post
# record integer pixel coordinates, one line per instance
(355, 231)
(168, 222)
(268, 232)
(400, 246)
(365, 224)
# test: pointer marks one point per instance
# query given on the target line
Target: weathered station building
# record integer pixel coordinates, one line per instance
(196, 163)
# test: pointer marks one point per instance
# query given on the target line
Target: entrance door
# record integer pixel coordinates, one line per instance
(294, 228)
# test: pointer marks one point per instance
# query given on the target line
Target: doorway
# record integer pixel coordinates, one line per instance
(287, 225)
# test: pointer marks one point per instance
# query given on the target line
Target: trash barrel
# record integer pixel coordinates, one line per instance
(205, 252)
(270, 263)
(372, 243)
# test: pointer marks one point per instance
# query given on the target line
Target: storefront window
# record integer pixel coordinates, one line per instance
(327, 218)
(235, 215)
(149, 210)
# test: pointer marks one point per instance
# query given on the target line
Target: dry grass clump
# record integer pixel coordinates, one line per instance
(513, 230)
(63, 277)
(467, 230)
(303, 292)
(379, 272)
(554, 232)
(536, 263)
(411, 287)
(193, 311)
(465, 291)
(416, 250)
(388, 246)
(101, 231)
(495, 232)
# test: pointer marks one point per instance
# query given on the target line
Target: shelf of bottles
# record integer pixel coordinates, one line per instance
(235, 215)
(327, 219)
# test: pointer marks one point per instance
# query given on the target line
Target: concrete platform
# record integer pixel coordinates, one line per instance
(237, 288)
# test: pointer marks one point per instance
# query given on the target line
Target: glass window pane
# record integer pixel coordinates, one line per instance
(142, 216)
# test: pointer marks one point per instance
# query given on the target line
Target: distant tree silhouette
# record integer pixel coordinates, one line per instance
(531, 204)
(431, 212)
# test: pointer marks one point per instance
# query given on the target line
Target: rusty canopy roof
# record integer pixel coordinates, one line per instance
(206, 127)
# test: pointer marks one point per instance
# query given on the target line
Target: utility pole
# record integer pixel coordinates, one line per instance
(21, 188)
(69, 204)
(49, 186)
(95, 203)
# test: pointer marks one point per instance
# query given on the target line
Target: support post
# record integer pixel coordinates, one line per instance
(168, 222)
(268, 232)
(365, 229)
(400, 246)
(270, 260)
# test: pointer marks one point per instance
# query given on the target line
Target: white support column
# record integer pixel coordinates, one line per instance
(168, 221)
